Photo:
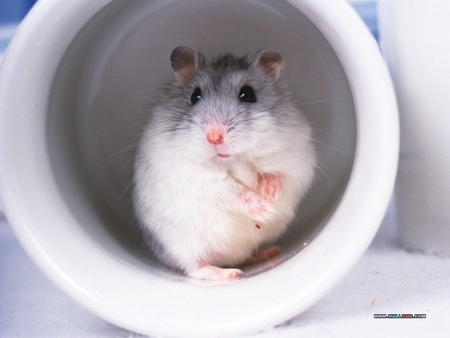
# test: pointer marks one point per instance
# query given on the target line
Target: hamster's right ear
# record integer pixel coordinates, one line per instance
(184, 63)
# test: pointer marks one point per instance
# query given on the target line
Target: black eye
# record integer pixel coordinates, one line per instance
(196, 95)
(247, 94)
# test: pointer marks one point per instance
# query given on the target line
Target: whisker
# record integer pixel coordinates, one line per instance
(120, 153)
(122, 195)
(322, 171)
(301, 104)
(332, 148)
(319, 118)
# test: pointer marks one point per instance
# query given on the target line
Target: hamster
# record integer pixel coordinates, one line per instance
(222, 165)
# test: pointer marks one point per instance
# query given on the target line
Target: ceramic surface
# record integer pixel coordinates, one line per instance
(75, 86)
(416, 45)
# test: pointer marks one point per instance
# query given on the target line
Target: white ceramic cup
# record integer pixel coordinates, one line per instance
(74, 88)
(416, 43)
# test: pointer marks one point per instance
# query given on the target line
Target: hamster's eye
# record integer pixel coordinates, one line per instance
(196, 95)
(247, 94)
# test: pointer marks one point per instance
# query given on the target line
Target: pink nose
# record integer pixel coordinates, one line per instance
(214, 137)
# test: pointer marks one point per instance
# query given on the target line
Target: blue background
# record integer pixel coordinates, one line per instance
(12, 11)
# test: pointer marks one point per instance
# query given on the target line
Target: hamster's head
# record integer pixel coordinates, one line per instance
(229, 107)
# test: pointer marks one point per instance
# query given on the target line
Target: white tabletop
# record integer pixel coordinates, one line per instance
(387, 280)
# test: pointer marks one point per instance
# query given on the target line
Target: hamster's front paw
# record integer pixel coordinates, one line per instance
(270, 186)
(259, 208)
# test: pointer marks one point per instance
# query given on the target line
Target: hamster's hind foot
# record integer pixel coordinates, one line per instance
(265, 253)
(209, 272)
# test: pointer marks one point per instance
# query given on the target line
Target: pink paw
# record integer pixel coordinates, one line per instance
(265, 253)
(270, 186)
(209, 272)
(257, 206)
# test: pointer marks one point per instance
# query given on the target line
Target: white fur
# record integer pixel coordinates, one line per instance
(188, 198)
(223, 163)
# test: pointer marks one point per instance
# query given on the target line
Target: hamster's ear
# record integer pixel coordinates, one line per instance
(271, 62)
(184, 63)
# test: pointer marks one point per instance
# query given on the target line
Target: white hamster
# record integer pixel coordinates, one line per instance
(222, 165)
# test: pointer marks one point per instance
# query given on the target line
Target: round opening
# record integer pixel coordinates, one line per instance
(114, 69)
(68, 149)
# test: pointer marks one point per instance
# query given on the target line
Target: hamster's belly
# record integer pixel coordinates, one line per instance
(199, 221)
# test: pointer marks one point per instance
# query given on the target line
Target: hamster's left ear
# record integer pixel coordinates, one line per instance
(184, 63)
(271, 62)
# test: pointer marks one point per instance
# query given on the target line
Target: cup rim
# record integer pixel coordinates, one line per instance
(146, 303)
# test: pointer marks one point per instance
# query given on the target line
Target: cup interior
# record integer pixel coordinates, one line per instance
(112, 72)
